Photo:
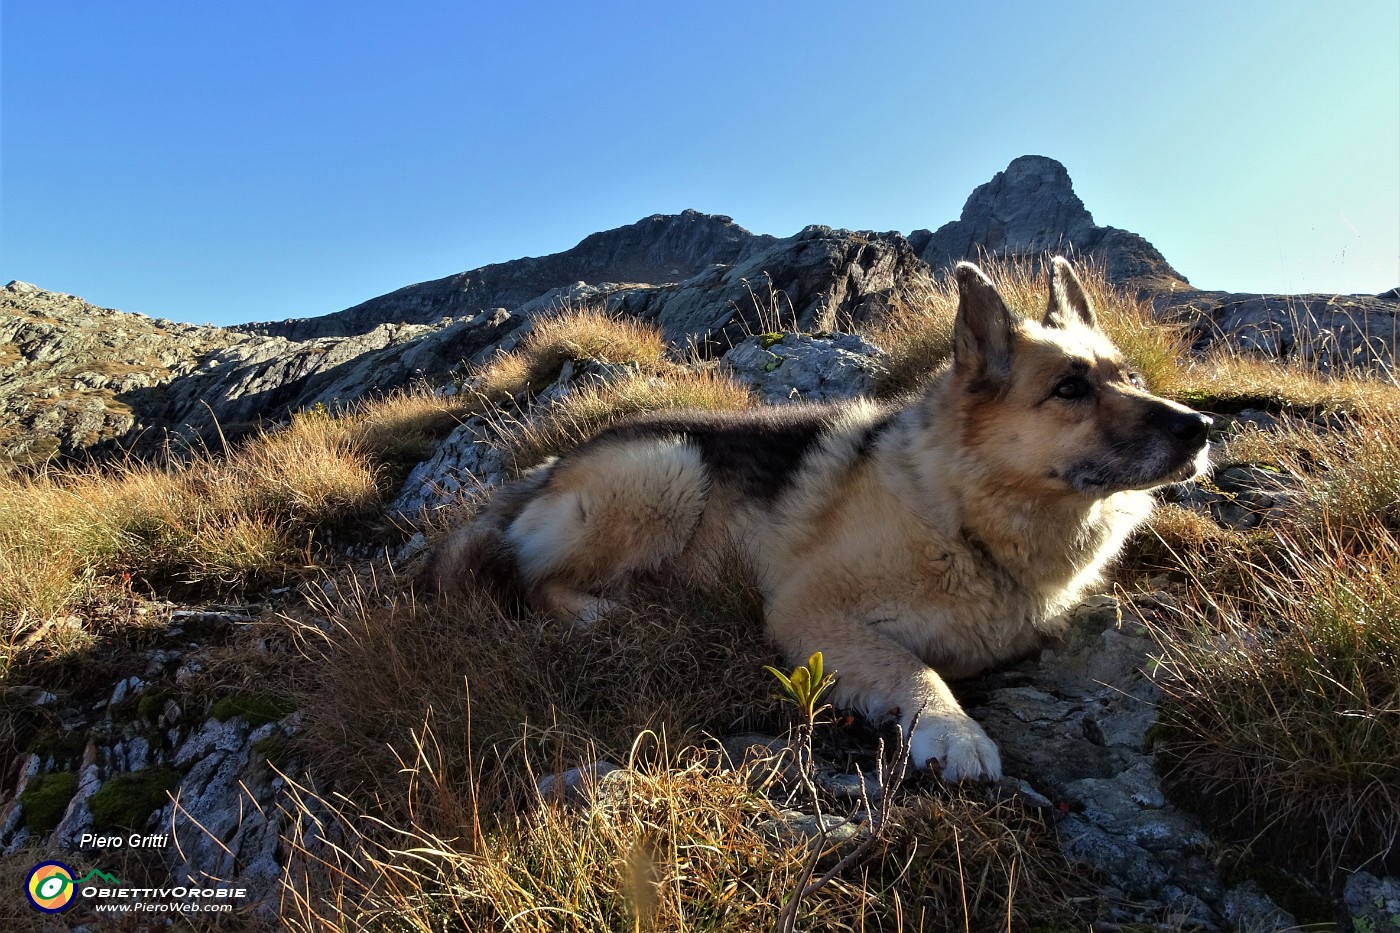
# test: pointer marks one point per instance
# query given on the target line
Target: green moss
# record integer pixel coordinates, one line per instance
(1232, 403)
(257, 708)
(45, 798)
(766, 341)
(152, 704)
(128, 800)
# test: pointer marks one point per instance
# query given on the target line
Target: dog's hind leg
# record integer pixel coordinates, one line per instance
(605, 515)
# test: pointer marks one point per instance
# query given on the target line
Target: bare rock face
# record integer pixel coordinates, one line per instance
(1031, 208)
(77, 379)
(270, 377)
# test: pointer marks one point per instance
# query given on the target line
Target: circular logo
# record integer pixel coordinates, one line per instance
(50, 887)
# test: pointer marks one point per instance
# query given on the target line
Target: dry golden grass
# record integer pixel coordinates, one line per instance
(433, 720)
(399, 429)
(1229, 382)
(653, 383)
(207, 521)
(1282, 700)
(676, 849)
(677, 664)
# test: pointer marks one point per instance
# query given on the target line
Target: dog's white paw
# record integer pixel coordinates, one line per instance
(958, 746)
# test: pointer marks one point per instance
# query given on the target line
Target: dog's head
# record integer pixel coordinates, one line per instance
(1053, 405)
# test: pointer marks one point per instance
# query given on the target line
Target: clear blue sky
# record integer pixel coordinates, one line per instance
(224, 162)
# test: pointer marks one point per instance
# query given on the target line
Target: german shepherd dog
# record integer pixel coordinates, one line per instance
(909, 543)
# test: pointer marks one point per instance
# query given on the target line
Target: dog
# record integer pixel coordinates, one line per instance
(910, 543)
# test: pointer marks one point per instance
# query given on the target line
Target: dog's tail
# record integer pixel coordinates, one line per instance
(479, 557)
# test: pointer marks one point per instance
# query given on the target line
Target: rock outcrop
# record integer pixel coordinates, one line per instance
(72, 374)
(1329, 332)
(1031, 208)
(79, 380)
(265, 380)
(820, 279)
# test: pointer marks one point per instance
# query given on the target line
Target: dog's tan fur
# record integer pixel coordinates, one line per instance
(907, 544)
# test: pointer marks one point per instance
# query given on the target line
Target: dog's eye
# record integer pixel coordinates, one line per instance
(1072, 387)
(1137, 380)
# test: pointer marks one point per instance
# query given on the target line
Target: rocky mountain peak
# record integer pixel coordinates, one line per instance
(1031, 208)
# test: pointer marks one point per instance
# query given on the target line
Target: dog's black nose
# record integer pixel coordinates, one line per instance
(1189, 425)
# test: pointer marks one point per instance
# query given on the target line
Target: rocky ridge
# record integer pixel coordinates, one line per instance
(657, 250)
(1330, 332)
(67, 369)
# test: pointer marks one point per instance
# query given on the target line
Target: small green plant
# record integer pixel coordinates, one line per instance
(805, 686)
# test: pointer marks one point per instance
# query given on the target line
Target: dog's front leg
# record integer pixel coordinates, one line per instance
(883, 679)
(947, 737)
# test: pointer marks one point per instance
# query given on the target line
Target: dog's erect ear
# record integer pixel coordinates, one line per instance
(982, 330)
(1068, 300)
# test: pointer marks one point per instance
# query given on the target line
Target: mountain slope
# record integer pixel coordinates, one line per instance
(654, 250)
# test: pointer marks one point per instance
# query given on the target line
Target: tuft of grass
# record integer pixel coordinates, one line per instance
(1281, 665)
(684, 848)
(209, 522)
(432, 719)
(253, 514)
(1284, 701)
(588, 410)
(537, 693)
(918, 335)
(1348, 467)
(580, 334)
(398, 431)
